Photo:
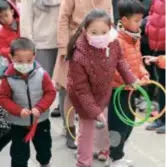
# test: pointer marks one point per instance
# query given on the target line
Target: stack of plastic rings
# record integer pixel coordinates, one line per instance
(139, 116)
(121, 114)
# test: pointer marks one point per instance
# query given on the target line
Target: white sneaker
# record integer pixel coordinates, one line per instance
(108, 162)
(122, 163)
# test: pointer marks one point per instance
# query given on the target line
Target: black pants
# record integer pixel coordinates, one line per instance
(20, 151)
(5, 140)
(161, 94)
(115, 124)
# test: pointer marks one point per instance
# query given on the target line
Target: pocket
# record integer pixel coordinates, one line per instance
(44, 126)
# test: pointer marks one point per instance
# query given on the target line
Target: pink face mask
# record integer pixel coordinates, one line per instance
(99, 41)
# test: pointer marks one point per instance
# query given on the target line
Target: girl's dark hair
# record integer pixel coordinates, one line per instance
(4, 5)
(128, 8)
(90, 17)
(21, 44)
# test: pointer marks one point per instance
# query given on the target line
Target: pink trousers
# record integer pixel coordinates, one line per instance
(86, 136)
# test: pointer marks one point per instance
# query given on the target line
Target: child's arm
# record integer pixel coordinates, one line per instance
(48, 94)
(6, 99)
(144, 72)
(123, 68)
(125, 72)
(26, 19)
(79, 87)
(65, 14)
(161, 61)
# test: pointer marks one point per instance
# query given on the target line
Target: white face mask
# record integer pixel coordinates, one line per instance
(23, 68)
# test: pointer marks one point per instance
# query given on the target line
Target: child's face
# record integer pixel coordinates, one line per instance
(98, 27)
(132, 23)
(6, 17)
(23, 57)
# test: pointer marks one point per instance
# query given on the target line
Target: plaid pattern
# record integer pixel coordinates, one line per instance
(4, 124)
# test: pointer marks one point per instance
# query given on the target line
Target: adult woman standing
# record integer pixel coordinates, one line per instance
(38, 22)
(71, 15)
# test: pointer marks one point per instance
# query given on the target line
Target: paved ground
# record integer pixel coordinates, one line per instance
(146, 149)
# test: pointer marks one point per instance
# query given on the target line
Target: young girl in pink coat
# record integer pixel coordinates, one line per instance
(93, 60)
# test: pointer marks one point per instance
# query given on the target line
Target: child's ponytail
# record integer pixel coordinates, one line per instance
(71, 45)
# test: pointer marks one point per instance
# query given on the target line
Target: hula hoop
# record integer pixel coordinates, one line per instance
(139, 116)
(67, 122)
(122, 116)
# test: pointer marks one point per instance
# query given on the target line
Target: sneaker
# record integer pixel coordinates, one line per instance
(161, 130)
(103, 155)
(55, 112)
(108, 162)
(155, 125)
(122, 163)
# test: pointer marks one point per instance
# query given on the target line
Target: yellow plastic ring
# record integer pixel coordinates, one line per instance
(139, 116)
(67, 122)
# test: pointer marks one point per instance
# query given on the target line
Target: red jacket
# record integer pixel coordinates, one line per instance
(6, 93)
(156, 26)
(7, 34)
(90, 74)
(132, 54)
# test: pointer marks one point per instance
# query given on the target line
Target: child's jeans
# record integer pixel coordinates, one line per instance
(20, 151)
(86, 141)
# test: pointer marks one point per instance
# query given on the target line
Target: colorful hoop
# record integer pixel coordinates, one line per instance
(139, 116)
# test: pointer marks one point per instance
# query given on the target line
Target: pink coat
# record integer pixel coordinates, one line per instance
(90, 76)
(156, 26)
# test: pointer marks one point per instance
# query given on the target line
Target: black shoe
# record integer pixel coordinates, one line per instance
(55, 112)
(70, 140)
(161, 130)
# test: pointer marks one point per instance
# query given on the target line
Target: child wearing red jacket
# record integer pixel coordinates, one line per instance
(27, 92)
(155, 30)
(9, 30)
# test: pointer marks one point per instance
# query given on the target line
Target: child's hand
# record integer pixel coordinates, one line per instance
(141, 82)
(25, 113)
(150, 59)
(36, 112)
(101, 118)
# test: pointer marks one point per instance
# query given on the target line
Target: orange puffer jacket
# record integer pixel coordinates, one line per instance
(132, 54)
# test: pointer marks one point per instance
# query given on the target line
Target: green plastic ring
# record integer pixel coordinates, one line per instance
(122, 116)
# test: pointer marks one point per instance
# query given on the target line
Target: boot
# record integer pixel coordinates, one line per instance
(70, 141)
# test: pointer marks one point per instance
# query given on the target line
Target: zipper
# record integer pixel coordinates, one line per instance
(29, 101)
